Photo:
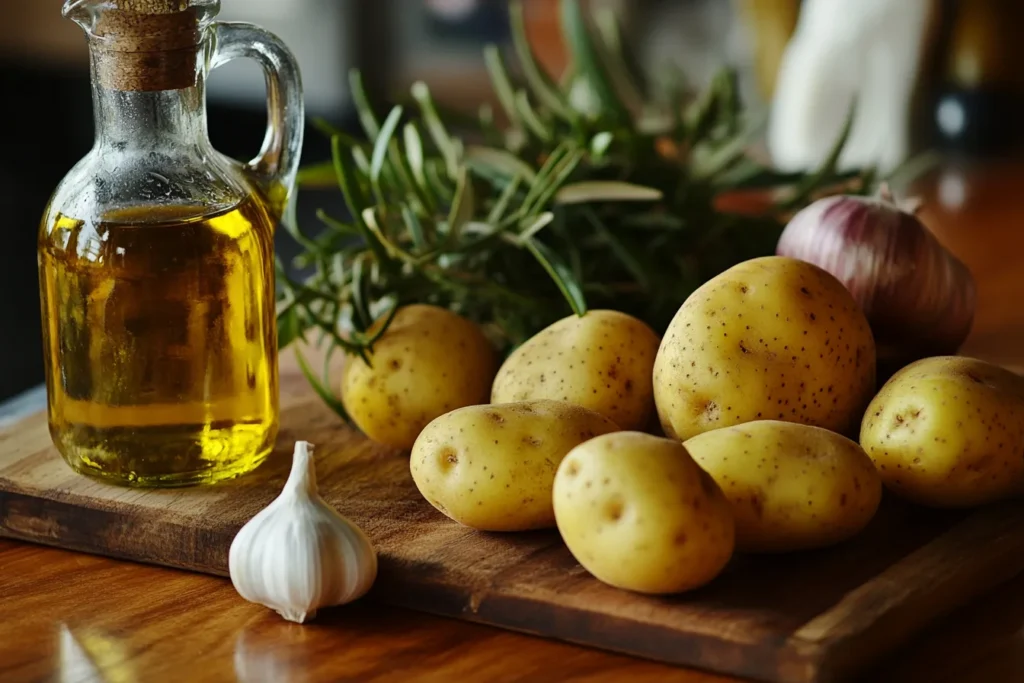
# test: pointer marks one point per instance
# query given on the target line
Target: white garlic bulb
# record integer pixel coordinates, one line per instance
(298, 554)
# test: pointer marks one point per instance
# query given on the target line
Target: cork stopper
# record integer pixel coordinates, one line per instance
(152, 6)
(147, 45)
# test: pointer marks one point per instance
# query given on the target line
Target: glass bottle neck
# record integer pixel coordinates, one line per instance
(127, 119)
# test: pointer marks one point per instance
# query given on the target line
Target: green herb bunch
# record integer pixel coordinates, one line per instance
(592, 195)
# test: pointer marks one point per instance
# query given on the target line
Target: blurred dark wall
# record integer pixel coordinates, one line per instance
(41, 144)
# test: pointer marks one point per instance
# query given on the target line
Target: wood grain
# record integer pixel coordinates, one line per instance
(72, 617)
(808, 617)
(981, 644)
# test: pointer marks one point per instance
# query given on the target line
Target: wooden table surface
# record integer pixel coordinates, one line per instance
(71, 617)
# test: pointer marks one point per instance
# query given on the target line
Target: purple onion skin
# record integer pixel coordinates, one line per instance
(918, 297)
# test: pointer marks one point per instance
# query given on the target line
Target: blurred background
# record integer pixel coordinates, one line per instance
(943, 74)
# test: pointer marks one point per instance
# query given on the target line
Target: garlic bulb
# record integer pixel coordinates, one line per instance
(918, 297)
(298, 554)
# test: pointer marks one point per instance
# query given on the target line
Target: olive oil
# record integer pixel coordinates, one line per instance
(161, 342)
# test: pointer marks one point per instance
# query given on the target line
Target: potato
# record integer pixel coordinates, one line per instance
(948, 432)
(638, 513)
(428, 362)
(771, 338)
(601, 361)
(791, 486)
(492, 467)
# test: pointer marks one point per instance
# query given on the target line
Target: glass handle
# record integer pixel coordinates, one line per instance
(274, 169)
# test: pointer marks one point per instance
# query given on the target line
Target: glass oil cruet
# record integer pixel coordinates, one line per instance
(156, 255)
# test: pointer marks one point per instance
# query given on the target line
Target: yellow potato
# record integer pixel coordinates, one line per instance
(948, 432)
(638, 513)
(600, 361)
(492, 467)
(770, 339)
(791, 486)
(429, 361)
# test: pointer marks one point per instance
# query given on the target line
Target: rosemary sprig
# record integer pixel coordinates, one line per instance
(591, 197)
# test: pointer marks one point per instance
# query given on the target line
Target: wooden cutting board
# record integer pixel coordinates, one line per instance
(801, 618)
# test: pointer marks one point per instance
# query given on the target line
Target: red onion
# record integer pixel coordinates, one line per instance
(918, 297)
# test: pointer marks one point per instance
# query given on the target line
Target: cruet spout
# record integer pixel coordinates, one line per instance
(89, 13)
(82, 12)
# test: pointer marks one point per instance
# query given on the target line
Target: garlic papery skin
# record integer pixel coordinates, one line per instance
(298, 554)
(918, 297)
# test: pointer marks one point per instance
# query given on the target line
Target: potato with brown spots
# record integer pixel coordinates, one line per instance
(602, 361)
(429, 361)
(948, 432)
(492, 467)
(638, 513)
(769, 339)
(791, 486)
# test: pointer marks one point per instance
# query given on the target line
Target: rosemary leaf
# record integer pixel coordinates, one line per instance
(572, 247)
(317, 176)
(354, 198)
(380, 146)
(414, 160)
(461, 211)
(533, 227)
(544, 175)
(359, 300)
(291, 226)
(531, 118)
(504, 163)
(414, 153)
(438, 132)
(412, 222)
(565, 169)
(325, 394)
(587, 62)
(407, 188)
(497, 212)
(325, 127)
(388, 318)
(438, 184)
(362, 104)
(380, 150)
(383, 141)
(336, 225)
(701, 115)
(719, 159)
(502, 83)
(591, 191)
(338, 275)
(289, 327)
(362, 161)
(543, 87)
(612, 54)
(560, 273)
(370, 218)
